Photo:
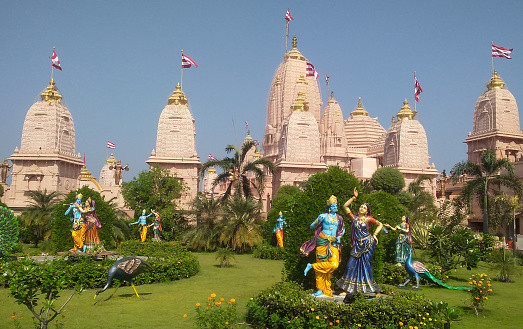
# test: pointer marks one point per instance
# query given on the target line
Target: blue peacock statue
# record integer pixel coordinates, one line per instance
(418, 270)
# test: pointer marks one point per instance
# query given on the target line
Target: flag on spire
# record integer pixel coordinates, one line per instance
(501, 52)
(211, 157)
(327, 79)
(311, 71)
(417, 88)
(55, 62)
(246, 125)
(187, 62)
(288, 16)
(111, 145)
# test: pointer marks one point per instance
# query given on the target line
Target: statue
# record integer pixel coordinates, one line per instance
(328, 232)
(358, 276)
(157, 226)
(118, 168)
(278, 229)
(142, 221)
(92, 240)
(5, 170)
(78, 224)
(403, 241)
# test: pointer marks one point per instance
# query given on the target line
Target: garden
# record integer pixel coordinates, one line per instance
(218, 266)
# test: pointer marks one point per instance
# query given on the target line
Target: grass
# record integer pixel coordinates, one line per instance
(163, 305)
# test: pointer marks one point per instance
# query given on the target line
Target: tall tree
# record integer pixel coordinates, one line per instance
(205, 235)
(39, 214)
(238, 168)
(488, 176)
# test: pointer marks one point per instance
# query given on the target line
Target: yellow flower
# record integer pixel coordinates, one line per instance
(221, 299)
(185, 315)
(252, 298)
(427, 313)
(325, 317)
(317, 317)
(312, 309)
(485, 297)
(217, 303)
(430, 319)
(359, 325)
(226, 322)
(411, 327)
(289, 321)
(232, 300)
(401, 323)
(197, 304)
(213, 295)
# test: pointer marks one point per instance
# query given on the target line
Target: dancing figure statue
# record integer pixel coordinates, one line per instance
(142, 221)
(403, 241)
(78, 223)
(358, 276)
(328, 232)
(278, 229)
(118, 171)
(157, 226)
(5, 170)
(92, 240)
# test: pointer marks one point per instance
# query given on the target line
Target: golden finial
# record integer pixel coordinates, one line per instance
(111, 160)
(405, 112)
(360, 110)
(301, 80)
(332, 94)
(332, 200)
(495, 82)
(294, 42)
(301, 103)
(212, 170)
(51, 93)
(177, 97)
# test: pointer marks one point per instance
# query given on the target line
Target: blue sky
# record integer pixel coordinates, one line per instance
(121, 61)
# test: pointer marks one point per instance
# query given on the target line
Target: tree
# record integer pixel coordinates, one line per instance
(241, 223)
(155, 189)
(204, 236)
(8, 231)
(39, 214)
(238, 169)
(488, 176)
(388, 179)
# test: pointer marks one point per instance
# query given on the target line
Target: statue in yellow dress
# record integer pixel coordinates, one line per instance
(142, 221)
(278, 229)
(78, 223)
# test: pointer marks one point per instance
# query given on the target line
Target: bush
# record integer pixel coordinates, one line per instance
(387, 179)
(214, 315)
(151, 248)
(8, 231)
(287, 305)
(266, 251)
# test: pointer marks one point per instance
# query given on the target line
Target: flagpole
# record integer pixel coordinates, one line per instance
(492, 58)
(415, 91)
(181, 75)
(287, 36)
(52, 66)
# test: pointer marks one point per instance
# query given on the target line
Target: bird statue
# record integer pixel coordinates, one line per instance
(125, 269)
(418, 270)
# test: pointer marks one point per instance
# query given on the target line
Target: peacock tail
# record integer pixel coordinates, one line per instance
(438, 282)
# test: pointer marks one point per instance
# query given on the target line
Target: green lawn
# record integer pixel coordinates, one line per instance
(163, 305)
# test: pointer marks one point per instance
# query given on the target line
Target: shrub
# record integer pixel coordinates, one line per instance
(214, 315)
(480, 288)
(266, 251)
(287, 305)
(8, 231)
(387, 179)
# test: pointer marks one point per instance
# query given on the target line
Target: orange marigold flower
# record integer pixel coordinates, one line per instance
(226, 322)
(209, 298)
(213, 295)
(21, 317)
(330, 323)
(185, 315)
(217, 303)
(221, 299)
(63, 316)
(401, 323)
(317, 317)
(197, 304)
(485, 297)
(411, 327)
(12, 316)
(232, 300)
(337, 321)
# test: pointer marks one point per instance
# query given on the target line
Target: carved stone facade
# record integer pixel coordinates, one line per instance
(46, 159)
(176, 143)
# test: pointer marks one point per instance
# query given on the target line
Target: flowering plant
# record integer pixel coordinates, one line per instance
(216, 313)
(480, 288)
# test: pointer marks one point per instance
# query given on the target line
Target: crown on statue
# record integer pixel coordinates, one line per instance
(280, 213)
(79, 196)
(332, 200)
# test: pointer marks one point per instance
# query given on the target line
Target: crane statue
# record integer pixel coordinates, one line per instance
(125, 269)
(417, 269)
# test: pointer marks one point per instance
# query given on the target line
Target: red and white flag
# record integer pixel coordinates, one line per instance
(417, 88)
(111, 145)
(288, 16)
(246, 125)
(211, 157)
(187, 62)
(501, 52)
(327, 79)
(256, 143)
(311, 71)
(55, 61)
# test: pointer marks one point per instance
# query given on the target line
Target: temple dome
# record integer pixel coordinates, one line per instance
(289, 79)
(361, 130)
(176, 136)
(107, 175)
(301, 139)
(406, 142)
(48, 125)
(496, 109)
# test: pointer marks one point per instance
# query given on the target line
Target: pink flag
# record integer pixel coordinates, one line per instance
(311, 71)
(501, 52)
(211, 157)
(187, 62)
(111, 145)
(84, 158)
(55, 62)
(256, 143)
(288, 16)
(417, 88)
(246, 125)
(327, 79)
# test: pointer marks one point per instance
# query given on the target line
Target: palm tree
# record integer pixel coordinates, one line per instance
(204, 236)
(487, 175)
(39, 214)
(241, 225)
(236, 171)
